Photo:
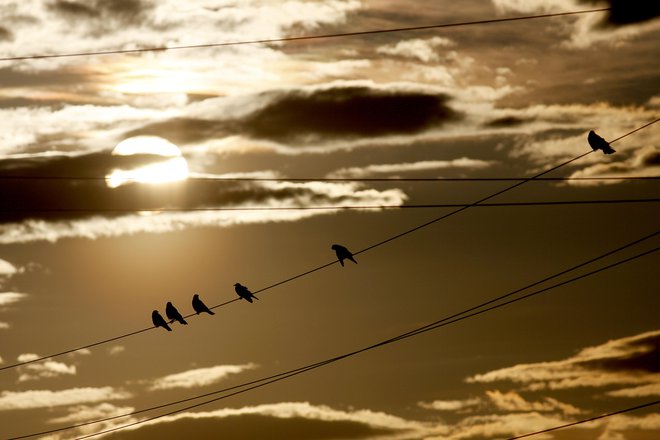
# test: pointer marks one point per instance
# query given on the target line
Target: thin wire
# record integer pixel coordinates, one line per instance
(634, 131)
(602, 416)
(327, 264)
(436, 324)
(281, 376)
(340, 179)
(300, 38)
(342, 207)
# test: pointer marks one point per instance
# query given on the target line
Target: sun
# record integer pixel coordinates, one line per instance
(172, 168)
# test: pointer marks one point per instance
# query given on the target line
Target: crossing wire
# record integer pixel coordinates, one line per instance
(337, 207)
(308, 272)
(301, 38)
(466, 314)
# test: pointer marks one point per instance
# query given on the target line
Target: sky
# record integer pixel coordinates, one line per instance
(136, 146)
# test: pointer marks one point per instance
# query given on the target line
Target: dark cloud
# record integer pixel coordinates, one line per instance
(652, 158)
(625, 12)
(5, 34)
(303, 117)
(124, 11)
(253, 427)
(645, 359)
(348, 112)
(507, 121)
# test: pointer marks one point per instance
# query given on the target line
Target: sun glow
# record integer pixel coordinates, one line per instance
(172, 168)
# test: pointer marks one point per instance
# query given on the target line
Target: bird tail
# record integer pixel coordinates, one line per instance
(210, 312)
(183, 321)
(352, 259)
(254, 297)
(167, 327)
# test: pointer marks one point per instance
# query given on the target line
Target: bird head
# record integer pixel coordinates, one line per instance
(196, 295)
(334, 247)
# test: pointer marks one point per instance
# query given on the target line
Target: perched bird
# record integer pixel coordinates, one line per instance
(244, 292)
(598, 143)
(199, 306)
(159, 321)
(342, 253)
(173, 314)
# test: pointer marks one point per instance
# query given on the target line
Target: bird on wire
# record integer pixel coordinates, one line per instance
(159, 321)
(343, 253)
(244, 292)
(199, 306)
(173, 314)
(598, 143)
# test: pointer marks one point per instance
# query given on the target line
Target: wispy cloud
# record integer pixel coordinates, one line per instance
(7, 298)
(625, 361)
(199, 377)
(407, 167)
(42, 370)
(6, 270)
(422, 49)
(11, 400)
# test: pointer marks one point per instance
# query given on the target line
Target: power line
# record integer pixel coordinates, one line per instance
(466, 314)
(300, 38)
(341, 207)
(315, 269)
(602, 416)
(340, 179)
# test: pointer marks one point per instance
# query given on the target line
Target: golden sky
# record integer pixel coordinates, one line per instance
(136, 145)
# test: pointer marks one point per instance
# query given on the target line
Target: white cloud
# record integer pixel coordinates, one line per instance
(642, 162)
(115, 350)
(652, 389)
(83, 413)
(512, 401)
(422, 49)
(450, 405)
(7, 298)
(395, 168)
(48, 399)
(287, 410)
(7, 269)
(4, 325)
(42, 370)
(199, 377)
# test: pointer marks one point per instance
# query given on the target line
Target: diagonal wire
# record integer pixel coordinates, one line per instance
(300, 38)
(602, 416)
(465, 314)
(292, 278)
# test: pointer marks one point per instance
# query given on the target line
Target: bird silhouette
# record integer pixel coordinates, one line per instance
(199, 306)
(159, 321)
(244, 292)
(342, 253)
(173, 314)
(598, 143)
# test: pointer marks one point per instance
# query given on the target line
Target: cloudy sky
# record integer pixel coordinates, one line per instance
(137, 147)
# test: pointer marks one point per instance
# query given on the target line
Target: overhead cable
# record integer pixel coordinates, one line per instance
(323, 266)
(299, 38)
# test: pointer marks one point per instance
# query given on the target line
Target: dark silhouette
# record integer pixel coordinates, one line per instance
(199, 306)
(342, 253)
(244, 292)
(598, 143)
(159, 321)
(173, 314)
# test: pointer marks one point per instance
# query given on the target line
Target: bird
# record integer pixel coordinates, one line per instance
(159, 321)
(244, 292)
(342, 253)
(199, 306)
(598, 143)
(173, 314)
